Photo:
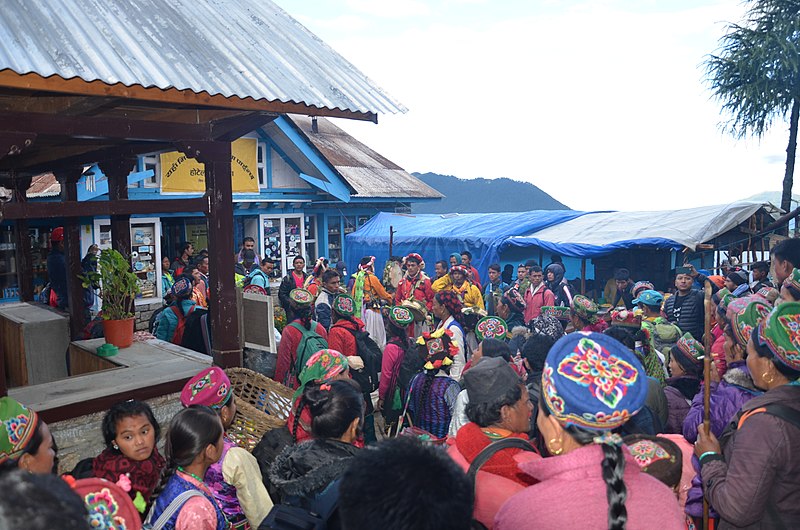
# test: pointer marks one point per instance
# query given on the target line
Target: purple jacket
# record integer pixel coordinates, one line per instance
(679, 392)
(727, 398)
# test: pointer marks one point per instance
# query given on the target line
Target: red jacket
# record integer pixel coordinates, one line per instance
(535, 302)
(418, 290)
(287, 350)
(341, 339)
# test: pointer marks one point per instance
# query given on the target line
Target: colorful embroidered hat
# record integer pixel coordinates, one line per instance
(460, 268)
(440, 348)
(626, 319)
(657, 456)
(182, 287)
(344, 305)
(646, 452)
(400, 316)
(108, 506)
(719, 295)
(585, 308)
(593, 381)
(417, 308)
(769, 293)
(300, 297)
(690, 350)
(321, 367)
(743, 322)
(491, 328)
(638, 287)
(19, 426)
(546, 325)
(649, 297)
(514, 300)
(780, 332)
(211, 388)
(416, 257)
(558, 311)
(793, 280)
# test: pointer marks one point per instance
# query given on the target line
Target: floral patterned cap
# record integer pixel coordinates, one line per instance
(626, 319)
(780, 332)
(647, 452)
(344, 305)
(441, 348)
(793, 280)
(400, 316)
(19, 425)
(593, 381)
(300, 297)
(585, 308)
(638, 287)
(211, 388)
(321, 367)
(743, 322)
(690, 349)
(181, 287)
(557, 311)
(491, 328)
(109, 507)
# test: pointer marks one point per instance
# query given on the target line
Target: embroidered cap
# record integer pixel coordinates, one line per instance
(491, 328)
(557, 311)
(593, 381)
(638, 287)
(770, 294)
(344, 305)
(19, 426)
(300, 297)
(440, 348)
(649, 297)
(459, 268)
(211, 388)
(321, 367)
(107, 504)
(780, 332)
(400, 316)
(690, 349)
(182, 287)
(417, 309)
(743, 322)
(416, 257)
(793, 280)
(585, 308)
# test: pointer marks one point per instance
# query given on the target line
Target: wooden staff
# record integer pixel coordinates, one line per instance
(707, 360)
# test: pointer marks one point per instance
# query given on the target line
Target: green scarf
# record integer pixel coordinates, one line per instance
(358, 291)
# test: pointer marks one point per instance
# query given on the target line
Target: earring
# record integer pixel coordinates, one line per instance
(553, 451)
(764, 377)
(115, 446)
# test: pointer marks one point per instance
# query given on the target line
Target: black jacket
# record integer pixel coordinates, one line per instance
(623, 298)
(690, 315)
(306, 469)
(287, 285)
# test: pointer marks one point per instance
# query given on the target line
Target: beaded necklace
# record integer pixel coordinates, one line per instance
(198, 479)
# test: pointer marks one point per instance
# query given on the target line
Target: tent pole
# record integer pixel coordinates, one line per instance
(391, 240)
(583, 276)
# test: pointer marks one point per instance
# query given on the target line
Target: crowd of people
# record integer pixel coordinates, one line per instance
(441, 403)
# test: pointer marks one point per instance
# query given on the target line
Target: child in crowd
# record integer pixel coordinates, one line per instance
(194, 442)
(235, 479)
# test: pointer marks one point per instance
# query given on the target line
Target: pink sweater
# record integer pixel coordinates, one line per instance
(572, 494)
(390, 368)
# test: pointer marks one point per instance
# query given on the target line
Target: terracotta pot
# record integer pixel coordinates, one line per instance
(119, 332)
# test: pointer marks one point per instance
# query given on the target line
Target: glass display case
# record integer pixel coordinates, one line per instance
(145, 252)
(310, 235)
(9, 287)
(334, 239)
(282, 238)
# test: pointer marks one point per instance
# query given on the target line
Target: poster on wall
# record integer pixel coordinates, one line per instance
(181, 174)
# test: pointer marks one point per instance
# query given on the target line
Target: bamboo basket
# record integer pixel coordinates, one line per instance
(261, 403)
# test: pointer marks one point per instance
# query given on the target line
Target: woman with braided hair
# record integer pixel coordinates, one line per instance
(447, 309)
(591, 386)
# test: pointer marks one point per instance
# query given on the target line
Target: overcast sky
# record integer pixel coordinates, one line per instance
(600, 103)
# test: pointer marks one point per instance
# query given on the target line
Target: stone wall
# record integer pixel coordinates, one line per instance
(143, 314)
(82, 437)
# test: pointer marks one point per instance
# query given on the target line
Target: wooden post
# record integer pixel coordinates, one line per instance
(68, 179)
(117, 173)
(24, 256)
(216, 156)
(583, 276)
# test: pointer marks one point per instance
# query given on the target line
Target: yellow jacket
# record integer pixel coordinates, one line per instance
(468, 292)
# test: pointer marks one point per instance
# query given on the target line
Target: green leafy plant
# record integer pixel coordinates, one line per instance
(116, 282)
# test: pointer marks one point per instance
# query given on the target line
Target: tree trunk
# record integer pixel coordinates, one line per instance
(791, 151)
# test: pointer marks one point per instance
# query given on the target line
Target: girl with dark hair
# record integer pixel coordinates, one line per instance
(193, 443)
(591, 386)
(750, 474)
(25, 440)
(182, 305)
(130, 432)
(447, 309)
(397, 321)
(297, 333)
(304, 473)
(686, 374)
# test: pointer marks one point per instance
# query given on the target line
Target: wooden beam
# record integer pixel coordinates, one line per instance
(66, 105)
(74, 209)
(14, 143)
(40, 162)
(76, 85)
(72, 248)
(24, 255)
(229, 129)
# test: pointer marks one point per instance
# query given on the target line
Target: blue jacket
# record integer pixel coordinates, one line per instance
(168, 321)
(257, 277)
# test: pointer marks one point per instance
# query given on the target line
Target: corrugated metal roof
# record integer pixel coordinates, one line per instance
(243, 48)
(369, 173)
(44, 185)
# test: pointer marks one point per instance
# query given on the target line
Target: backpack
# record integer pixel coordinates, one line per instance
(177, 336)
(171, 509)
(197, 332)
(310, 343)
(787, 414)
(370, 353)
(664, 336)
(295, 513)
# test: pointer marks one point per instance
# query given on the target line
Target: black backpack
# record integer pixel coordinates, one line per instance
(370, 353)
(410, 366)
(197, 332)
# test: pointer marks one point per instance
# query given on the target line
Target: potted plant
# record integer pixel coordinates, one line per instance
(118, 287)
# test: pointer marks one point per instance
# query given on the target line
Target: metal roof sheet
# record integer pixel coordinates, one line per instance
(368, 172)
(243, 48)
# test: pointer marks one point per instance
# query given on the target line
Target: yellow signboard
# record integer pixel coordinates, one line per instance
(181, 174)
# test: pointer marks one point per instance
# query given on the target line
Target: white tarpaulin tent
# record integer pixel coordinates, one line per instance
(596, 234)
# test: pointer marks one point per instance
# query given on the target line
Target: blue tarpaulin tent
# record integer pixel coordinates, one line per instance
(436, 236)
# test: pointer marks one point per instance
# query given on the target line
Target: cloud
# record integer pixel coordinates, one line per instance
(389, 8)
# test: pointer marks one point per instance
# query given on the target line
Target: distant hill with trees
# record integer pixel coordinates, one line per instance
(484, 195)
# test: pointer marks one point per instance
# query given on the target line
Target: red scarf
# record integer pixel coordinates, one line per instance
(471, 440)
(144, 475)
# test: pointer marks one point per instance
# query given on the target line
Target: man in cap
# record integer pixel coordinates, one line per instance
(415, 284)
(685, 309)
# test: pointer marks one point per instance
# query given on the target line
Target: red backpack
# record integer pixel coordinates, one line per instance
(177, 337)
